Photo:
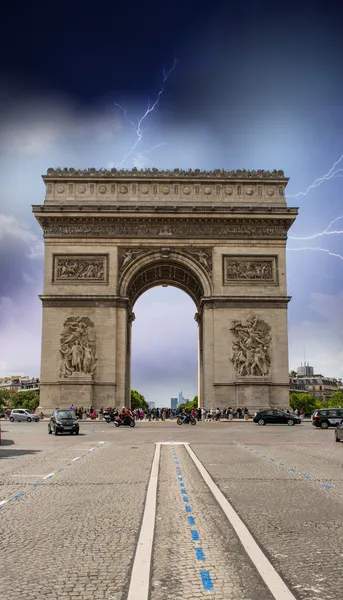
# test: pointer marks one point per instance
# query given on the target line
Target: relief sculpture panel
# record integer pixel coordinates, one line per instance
(81, 268)
(251, 347)
(250, 269)
(78, 352)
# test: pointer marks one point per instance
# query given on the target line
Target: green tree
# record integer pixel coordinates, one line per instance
(138, 401)
(193, 404)
(5, 398)
(27, 399)
(336, 400)
(292, 373)
(305, 401)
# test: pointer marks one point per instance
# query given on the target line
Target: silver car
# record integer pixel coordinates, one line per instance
(339, 432)
(23, 414)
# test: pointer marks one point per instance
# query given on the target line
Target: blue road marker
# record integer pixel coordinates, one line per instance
(293, 470)
(206, 580)
(195, 535)
(188, 508)
(185, 498)
(307, 477)
(328, 487)
(191, 520)
(199, 554)
(183, 492)
(182, 484)
(18, 496)
(281, 464)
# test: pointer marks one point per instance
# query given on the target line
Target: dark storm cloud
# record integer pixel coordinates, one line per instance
(21, 258)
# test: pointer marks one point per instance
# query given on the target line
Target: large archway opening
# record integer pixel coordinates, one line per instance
(164, 346)
(166, 269)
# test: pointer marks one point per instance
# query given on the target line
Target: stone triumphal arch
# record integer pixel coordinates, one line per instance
(110, 235)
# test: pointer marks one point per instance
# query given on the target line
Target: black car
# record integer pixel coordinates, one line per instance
(63, 421)
(327, 417)
(276, 416)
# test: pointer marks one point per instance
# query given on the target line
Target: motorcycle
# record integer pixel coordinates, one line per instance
(128, 421)
(185, 420)
(110, 417)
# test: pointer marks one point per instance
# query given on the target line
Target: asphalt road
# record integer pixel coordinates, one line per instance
(77, 510)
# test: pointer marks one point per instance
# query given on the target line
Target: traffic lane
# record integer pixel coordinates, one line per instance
(298, 526)
(317, 458)
(81, 527)
(196, 551)
(28, 453)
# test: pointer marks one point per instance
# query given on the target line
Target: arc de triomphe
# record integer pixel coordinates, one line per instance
(111, 235)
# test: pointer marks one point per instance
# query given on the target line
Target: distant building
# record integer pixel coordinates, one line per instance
(318, 386)
(181, 399)
(305, 370)
(19, 383)
(151, 404)
(174, 403)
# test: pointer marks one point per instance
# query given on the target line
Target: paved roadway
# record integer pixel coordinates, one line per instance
(74, 534)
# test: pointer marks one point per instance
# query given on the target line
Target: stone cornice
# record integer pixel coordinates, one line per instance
(134, 208)
(239, 174)
(84, 300)
(165, 227)
(244, 302)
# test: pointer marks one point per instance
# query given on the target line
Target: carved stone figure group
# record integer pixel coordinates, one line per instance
(251, 347)
(79, 268)
(77, 347)
(236, 269)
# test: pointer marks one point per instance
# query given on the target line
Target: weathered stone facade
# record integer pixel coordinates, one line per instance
(111, 235)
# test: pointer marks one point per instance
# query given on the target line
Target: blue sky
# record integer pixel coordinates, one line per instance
(254, 87)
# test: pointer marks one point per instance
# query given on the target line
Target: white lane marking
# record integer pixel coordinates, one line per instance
(77, 458)
(172, 443)
(49, 475)
(140, 574)
(271, 578)
(3, 502)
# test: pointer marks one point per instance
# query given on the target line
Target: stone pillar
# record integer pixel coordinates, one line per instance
(122, 357)
(209, 398)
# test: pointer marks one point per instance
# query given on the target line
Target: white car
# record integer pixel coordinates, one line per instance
(23, 414)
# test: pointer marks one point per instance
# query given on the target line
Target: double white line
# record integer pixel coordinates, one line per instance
(140, 576)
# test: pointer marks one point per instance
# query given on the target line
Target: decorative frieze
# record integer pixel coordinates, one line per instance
(249, 269)
(80, 268)
(142, 227)
(149, 191)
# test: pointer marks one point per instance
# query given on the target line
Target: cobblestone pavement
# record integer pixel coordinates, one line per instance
(74, 535)
(176, 571)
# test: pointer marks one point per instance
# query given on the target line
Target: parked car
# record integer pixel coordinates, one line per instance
(23, 414)
(327, 417)
(63, 421)
(339, 432)
(276, 417)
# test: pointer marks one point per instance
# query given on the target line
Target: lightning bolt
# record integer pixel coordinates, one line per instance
(329, 175)
(138, 128)
(321, 233)
(316, 249)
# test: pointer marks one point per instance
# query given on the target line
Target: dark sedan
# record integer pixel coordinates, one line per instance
(277, 417)
(63, 421)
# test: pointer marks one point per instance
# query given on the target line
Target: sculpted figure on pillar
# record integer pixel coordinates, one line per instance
(78, 352)
(251, 347)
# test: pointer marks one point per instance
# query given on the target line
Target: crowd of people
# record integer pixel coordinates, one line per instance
(161, 414)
